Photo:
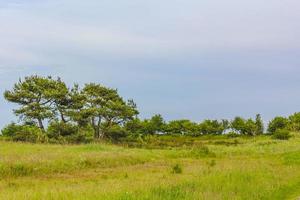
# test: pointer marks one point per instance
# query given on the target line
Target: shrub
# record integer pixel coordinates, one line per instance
(23, 133)
(232, 135)
(56, 129)
(202, 151)
(116, 133)
(212, 163)
(177, 169)
(78, 138)
(282, 134)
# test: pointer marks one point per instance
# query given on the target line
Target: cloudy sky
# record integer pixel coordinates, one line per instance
(192, 59)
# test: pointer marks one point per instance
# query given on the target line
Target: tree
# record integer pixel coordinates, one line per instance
(76, 110)
(61, 100)
(134, 126)
(182, 127)
(294, 122)
(33, 94)
(278, 123)
(246, 126)
(154, 125)
(105, 108)
(213, 126)
(259, 125)
(250, 127)
(239, 125)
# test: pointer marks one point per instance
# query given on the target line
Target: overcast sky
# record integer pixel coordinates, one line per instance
(191, 59)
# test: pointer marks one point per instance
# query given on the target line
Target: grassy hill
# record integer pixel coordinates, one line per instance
(205, 168)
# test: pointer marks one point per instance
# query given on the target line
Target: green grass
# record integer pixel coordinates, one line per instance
(203, 168)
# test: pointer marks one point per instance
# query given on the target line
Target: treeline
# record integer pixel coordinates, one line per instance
(50, 111)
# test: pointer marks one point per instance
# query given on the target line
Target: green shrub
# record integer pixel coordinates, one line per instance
(177, 169)
(212, 163)
(78, 138)
(62, 133)
(23, 133)
(56, 129)
(282, 134)
(232, 135)
(116, 133)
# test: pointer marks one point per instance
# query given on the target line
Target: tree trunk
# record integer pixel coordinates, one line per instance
(96, 133)
(63, 118)
(41, 126)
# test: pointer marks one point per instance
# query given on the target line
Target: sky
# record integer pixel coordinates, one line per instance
(192, 59)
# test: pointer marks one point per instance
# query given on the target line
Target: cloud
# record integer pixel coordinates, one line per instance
(136, 29)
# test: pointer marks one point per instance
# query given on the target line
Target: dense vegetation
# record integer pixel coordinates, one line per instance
(96, 112)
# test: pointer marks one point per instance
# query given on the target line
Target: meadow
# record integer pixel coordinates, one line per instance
(203, 168)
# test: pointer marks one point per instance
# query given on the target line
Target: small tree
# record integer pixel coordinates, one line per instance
(259, 125)
(294, 122)
(250, 127)
(239, 125)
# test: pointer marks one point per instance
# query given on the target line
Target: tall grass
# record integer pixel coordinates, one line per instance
(210, 168)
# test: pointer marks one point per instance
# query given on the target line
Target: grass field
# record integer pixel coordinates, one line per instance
(216, 168)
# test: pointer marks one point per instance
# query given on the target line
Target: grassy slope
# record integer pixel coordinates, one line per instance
(257, 168)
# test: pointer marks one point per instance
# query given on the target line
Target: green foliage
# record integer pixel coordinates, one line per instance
(44, 98)
(182, 127)
(239, 125)
(294, 124)
(116, 133)
(201, 152)
(35, 96)
(23, 133)
(155, 125)
(106, 108)
(57, 129)
(259, 125)
(248, 126)
(60, 132)
(177, 169)
(282, 134)
(278, 123)
(232, 135)
(134, 126)
(212, 163)
(75, 114)
(213, 127)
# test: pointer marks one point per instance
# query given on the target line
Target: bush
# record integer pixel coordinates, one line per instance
(57, 129)
(282, 134)
(23, 133)
(232, 135)
(62, 133)
(78, 138)
(177, 169)
(116, 133)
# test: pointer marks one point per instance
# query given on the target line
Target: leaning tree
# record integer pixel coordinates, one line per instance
(36, 96)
